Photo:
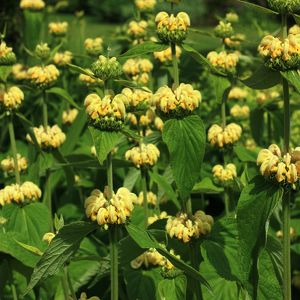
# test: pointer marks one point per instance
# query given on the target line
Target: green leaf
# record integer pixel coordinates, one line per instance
(222, 87)
(200, 59)
(207, 186)
(257, 8)
(32, 28)
(244, 154)
(104, 142)
(257, 123)
(130, 84)
(262, 78)
(131, 178)
(4, 72)
(63, 94)
(172, 289)
(293, 78)
(32, 249)
(131, 134)
(186, 140)
(144, 48)
(60, 250)
(255, 207)
(297, 18)
(80, 70)
(163, 183)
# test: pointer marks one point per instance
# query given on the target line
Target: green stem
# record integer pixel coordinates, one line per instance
(188, 207)
(109, 175)
(223, 113)
(287, 121)
(14, 292)
(45, 111)
(197, 293)
(67, 274)
(48, 199)
(145, 196)
(269, 121)
(226, 202)
(14, 148)
(64, 282)
(175, 65)
(113, 239)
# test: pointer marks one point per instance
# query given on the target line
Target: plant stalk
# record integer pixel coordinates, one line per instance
(14, 292)
(45, 111)
(223, 113)
(114, 276)
(145, 196)
(175, 65)
(14, 148)
(197, 293)
(65, 285)
(67, 274)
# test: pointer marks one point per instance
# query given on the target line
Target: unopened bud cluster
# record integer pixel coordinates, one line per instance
(105, 211)
(224, 30)
(8, 164)
(42, 51)
(240, 112)
(224, 61)
(49, 138)
(20, 193)
(106, 68)
(58, 29)
(63, 58)
(32, 4)
(224, 174)
(69, 116)
(138, 69)
(184, 99)
(217, 136)
(107, 113)
(145, 155)
(137, 98)
(172, 28)
(94, 46)
(7, 56)
(284, 6)
(43, 76)
(166, 55)
(144, 5)
(185, 229)
(12, 98)
(137, 29)
(284, 169)
(232, 17)
(281, 55)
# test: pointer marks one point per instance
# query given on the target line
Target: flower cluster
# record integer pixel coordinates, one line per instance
(170, 28)
(220, 137)
(42, 51)
(137, 29)
(285, 6)
(144, 120)
(240, 112)
(107, 113)
(106, 68)
(94, 46)
(144, 155)
(183, 99)
(8, 164)
(7, 56)
(224, 174)
(282, 168)
(20, 193)
(63, 58)
(68, 116)
(32, 4)
(267, 95)
(155, 217)
(19, 72)
(88, 80)
(237, 93)
(51, 137)
(138, 69)
(12, 98)
(166, 55)
(83, 296)
(58, 28)
(144, 5)
(281, 55)
(151, 198)
(294, 29)
(224, 30)
(110, 211)
(184, 228)
(43, 76)
(136, 98)
(224, 61)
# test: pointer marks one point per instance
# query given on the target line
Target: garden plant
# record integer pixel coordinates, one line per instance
(161, 162)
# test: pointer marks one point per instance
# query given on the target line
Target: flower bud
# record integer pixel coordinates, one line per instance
(12, 98)
(106, 68)
(224, 30)
(7, 56)
(285, 6)
(42, 51)
(48, 237)
(232, 17)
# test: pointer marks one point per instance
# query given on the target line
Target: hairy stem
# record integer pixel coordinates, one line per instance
(175, 65)
(14, 148)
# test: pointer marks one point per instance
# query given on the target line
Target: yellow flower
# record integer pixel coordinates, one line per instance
(43, 76)
(155, 217)
(32, 4)
(151, 198)
(143, 5)
(51, 137)
(7, 56)
(110, 211)
(135, 66)
(12, 98)
(238, 93)
(241, 112)
(224, 174)
(88, 80)
(279, 233)
(8, 164)
(48, 237)
(294, 29)
(63, 58)
(136, 97)
(144, 155)
(225, 61)
(93, 46)
(158, 123)
(166, 55)
(263, 96)
(137, 29)
(19, 72)
(69, 116)
(58, 28)
(27, 191)
(185, 229)
(232, 17)
(220, 137)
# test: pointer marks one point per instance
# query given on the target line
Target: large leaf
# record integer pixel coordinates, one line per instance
(206, 186)
(32, 28)
(257, 8)
(185, 139)
(104, 142)
(144, 48)
(60, 92)
(244, 154)
(262, 78)
(255, 207)
(172, 289)
(293, 78)
(257, 125)
(60, 250)
(222, 88)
